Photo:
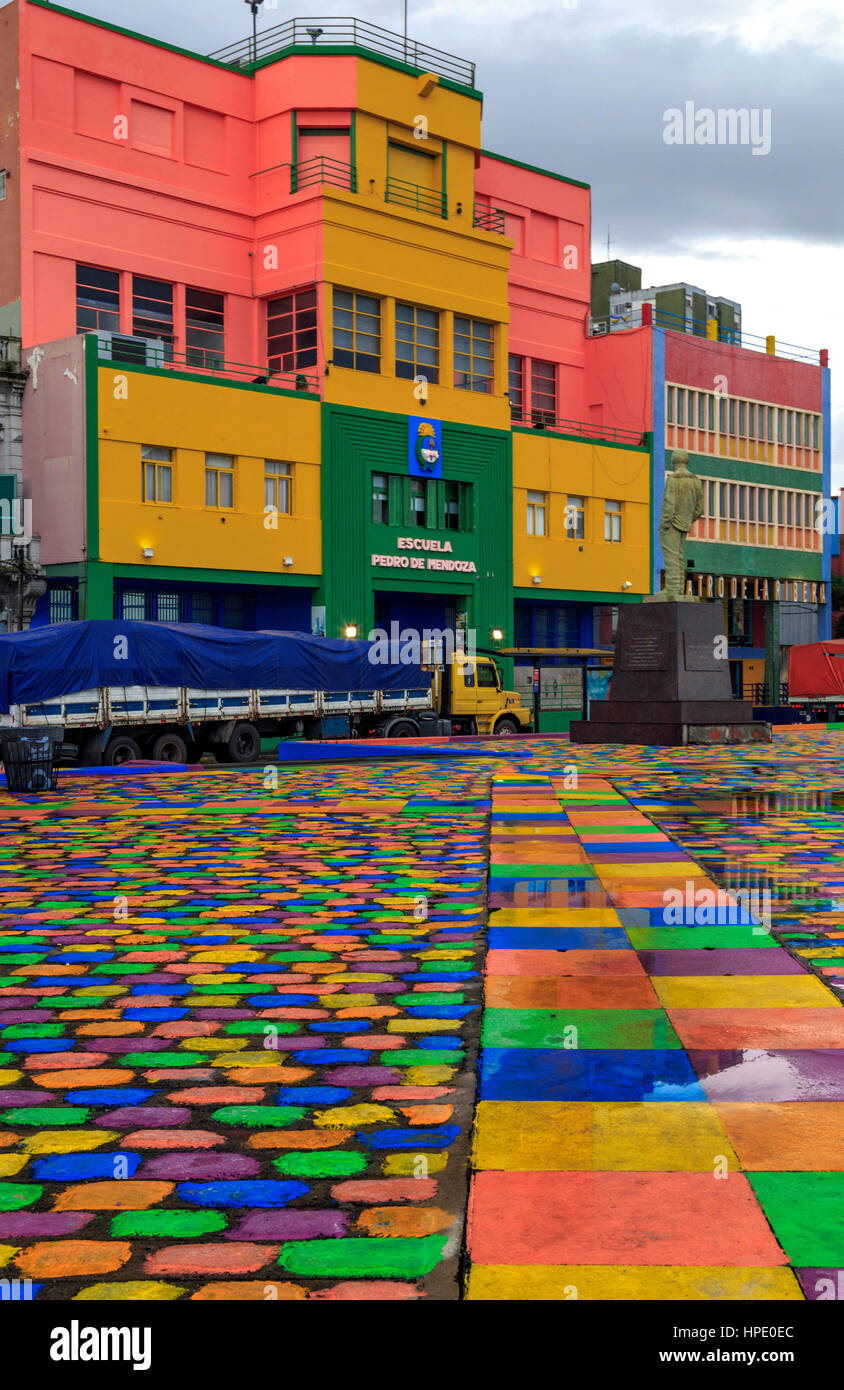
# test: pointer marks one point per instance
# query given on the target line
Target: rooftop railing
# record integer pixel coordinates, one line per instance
(123, 350)
(334, 32)
(702, 328)
(490, 219)
(584, 429)
(412, 195)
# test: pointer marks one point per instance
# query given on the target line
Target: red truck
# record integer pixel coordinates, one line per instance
(816, 680)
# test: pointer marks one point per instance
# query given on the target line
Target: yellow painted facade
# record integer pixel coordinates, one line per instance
(558, 469)
(192, 419)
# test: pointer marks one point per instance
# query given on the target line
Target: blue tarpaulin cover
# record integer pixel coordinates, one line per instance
(65, 658)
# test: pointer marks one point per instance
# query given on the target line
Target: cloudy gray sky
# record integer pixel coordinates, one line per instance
(581, 86)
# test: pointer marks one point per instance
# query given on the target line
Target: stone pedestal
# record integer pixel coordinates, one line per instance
(669, 684)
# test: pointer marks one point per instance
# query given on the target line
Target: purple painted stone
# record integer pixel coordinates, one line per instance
(26, 1016)
(740, 961)
(822, 1285)
(380, 989)
(144, 1117)
(362, 1076)
(289, 1225)
(756, 1075)
(119, 1045)
(201, 1167)
(23, 1225)
(294, 1043)
(10, 1099)
(14, 1001)
(228, 1015)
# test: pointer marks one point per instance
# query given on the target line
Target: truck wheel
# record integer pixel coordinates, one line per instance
(169, 748)
(121, 749)
(506, 728)
(244, 746)
(402, 728)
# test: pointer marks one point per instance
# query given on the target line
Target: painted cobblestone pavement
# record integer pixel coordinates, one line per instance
(238, 1061)
(236, 1029)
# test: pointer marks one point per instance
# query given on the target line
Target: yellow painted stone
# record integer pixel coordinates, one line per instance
(7, 1253)
(443, 955)
(242, 1059)
(554, 917)
(347, 1001)
(600, 1136)
(7, 1077)
(210, 1001)
(68, 1141)
(226, 955)
(342, 1116)
(743, 992)
(138, 1290)
(420, 1025)
(692, 1283)
(12, 1163)
(414, 1165)
(358, 979)
(213, 1044)
(429, 1076)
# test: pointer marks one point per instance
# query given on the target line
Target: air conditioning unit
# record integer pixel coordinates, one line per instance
(123, 347)
(599, 326)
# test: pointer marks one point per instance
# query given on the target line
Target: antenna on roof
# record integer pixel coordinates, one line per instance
(253, 5)
(608, 241)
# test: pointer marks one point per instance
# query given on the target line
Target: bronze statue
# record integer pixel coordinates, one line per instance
(682, 504)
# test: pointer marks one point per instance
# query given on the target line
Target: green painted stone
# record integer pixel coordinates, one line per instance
(806, 1212)
(594, 1028)
(386, 1257)
(72, 1001)
(246, 1026)
(167, 1224)
(150, 1060)
(46, 1116)
(290, 956)
(16, 1195)
(327, 1164)
(421, 1057)
(417, 1000)
(258, 1116)
(34, 1030)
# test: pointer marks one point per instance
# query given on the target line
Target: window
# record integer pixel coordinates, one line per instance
(324, 156)
(612, 521)
(380, 499)
(575, 517)
(486, 677)
(672, 392)
(473, 355)
(97, 300)
(789, 427)
(751, 504)
(3, 173)
(152, 310)
(292, 330)
(742, 429)
(711, 400)
(219, 480)
(133, 605)
(536, 513)
(417, 343)
(789, 505)
(204, 328)
(543, 392)
(156, 474)
(418, 501)
(770, 492)
(742, 508)
(701, 410)
(798, 427)
(732, 417)
(61, 604)
(516, 385)
(357, 331)
(681, 407)
(722, 415)
(816, 431)
(234, 611)
(278, 486)
(451, 507)
(751, 421)
(168, 608)
(202, 609)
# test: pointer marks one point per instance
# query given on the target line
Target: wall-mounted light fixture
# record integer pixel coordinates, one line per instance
(350, 630)
(148, 552)
(288, 560)
(497, 635)
(627, 584)
(537, 579)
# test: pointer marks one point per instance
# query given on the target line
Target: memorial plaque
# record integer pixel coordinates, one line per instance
(700, 656)
(645, 651)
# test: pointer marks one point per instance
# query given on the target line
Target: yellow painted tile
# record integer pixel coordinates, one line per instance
(743, 992)
(675, 870)
(604, 1136)
(138, 1290)
(554, 917)
(414, 1165)
(693, 1283)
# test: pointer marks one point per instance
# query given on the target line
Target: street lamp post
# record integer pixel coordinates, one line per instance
(253, 5)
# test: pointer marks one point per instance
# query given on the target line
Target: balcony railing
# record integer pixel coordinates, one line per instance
(124, 350)
(699, 328)
(490, 219)
(322, 169)
(583, 428)
(411, 195)
(344, 33)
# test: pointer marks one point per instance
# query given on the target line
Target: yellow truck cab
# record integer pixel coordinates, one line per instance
(469, 694)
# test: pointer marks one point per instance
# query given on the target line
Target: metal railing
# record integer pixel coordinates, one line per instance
(490, 219)
(412, 195)
(733, 337)
(336, 32)
(541, 421)
(762, 693)
(323, 169)
(127, 351)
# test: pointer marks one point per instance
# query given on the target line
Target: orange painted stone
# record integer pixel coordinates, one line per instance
(233, 1257)
(120, 1195)
(63, 1259)
(404, 1221)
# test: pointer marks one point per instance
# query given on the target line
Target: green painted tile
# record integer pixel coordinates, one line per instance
(16, 1195)
(258, 1116)
(592, 1028)
(332, 1163)
(697, 938)
(167, 1224)
(806, 1212)
(45, 1116)
(385, 1257)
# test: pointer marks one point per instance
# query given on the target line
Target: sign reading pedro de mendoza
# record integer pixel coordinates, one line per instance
(425, 448)
(743, 586)
(442, 560)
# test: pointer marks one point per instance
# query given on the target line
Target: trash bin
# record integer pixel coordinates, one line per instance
(30, 762)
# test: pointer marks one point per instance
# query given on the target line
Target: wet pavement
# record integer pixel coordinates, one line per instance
(240, 1015)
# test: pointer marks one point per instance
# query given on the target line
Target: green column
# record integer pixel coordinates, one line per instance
(772, 651)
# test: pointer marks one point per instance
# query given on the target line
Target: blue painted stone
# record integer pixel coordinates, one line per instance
(246, 1193)
(79, 1167)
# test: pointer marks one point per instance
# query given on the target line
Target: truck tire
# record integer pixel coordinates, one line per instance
(122, 749)
(505, 728)
(244, 746)
(402, 728)
(169, 748)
